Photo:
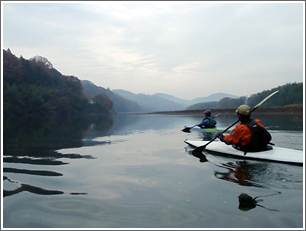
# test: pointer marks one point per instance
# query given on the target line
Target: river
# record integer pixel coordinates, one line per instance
(135, 171)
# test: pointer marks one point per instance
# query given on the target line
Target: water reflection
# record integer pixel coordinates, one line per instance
(247, 202)
(47, 134)
(271, 122)
(37, 141)
(32, 189)
(208, 136)
(141, 175)
(32, 172)
(240, 173)
(283, 122)
(200, 155)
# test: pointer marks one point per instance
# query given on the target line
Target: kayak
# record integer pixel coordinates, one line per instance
(203, 129)
(276, 154)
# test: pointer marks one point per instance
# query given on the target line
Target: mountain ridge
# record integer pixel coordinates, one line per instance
(40, 77)
(212, 97)
(178, 103)
(120, 104)
(149, 103)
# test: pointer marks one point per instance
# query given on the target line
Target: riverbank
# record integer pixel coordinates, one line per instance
(287, 110)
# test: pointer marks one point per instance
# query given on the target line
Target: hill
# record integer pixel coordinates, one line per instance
(120, 104)
(34, 88)
(289, 94)
(211, 98)
(150, 103)
(166, 102)
(173, 98)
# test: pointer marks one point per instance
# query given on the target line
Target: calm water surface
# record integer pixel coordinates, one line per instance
(135, 171)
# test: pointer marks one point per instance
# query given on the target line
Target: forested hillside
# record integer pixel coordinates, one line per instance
(289, 94)
(119, 104)
(34, 88)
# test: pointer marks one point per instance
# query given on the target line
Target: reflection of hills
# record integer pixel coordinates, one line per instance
(36, 141)
(31, 189)
(276, 122)
(126, 124)
(41, 137)
(25, 160)
(39, 154)
(32, 172)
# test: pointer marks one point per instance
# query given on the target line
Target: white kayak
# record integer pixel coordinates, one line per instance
(276, 154)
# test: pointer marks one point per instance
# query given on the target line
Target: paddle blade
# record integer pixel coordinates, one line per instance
(186, 129)
(264, 100)
(217, 115)
(199, 149)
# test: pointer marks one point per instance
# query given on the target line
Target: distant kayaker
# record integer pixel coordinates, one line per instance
(250, 135)
(208, 121)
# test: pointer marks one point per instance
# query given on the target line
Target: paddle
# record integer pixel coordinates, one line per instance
(188, 129)
(201, 148)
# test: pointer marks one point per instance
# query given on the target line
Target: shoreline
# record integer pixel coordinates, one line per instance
(287, 110)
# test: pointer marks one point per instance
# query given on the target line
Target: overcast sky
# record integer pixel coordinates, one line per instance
(185, 49)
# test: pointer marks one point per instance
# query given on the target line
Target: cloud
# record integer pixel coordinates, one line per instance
(170, 47)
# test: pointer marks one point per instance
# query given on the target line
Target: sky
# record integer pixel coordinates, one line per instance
(185, 49)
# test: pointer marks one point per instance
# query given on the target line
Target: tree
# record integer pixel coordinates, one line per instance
(31, 88)
(101, 104)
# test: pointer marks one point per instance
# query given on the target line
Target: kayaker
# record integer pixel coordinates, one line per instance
(250, 135)
(208, 121)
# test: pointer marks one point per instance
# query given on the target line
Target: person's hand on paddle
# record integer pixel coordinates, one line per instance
(219, 135)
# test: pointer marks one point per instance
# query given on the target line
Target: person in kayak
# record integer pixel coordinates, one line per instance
(208, 121)
(248, 136)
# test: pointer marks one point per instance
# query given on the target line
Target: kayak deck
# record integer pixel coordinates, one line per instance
(277, 154)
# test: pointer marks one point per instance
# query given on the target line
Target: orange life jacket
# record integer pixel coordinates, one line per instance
(241, 134)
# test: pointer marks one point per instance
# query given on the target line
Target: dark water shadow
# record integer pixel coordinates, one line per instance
(32, 189)
(246, 202)
(36, 141)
